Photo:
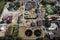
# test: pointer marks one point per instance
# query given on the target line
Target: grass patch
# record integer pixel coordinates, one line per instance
(2, 3)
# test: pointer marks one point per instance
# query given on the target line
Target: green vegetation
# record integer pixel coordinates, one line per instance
(16, 5)
(2, 3)
(12, 31)
(49, 9)
(12, 34)
(10, 38)
(47, 22)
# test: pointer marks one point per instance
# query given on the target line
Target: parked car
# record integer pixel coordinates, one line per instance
(54, 18)
(33, 24)
(26, 13)
(39, 23)
(19, 20)
(53, 27)
(7, 19)
(57, 7)
(1, 22)
(4, 18)
(59, 24)
(10, 18)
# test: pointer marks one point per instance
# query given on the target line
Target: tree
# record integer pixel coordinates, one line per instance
(47, 22)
